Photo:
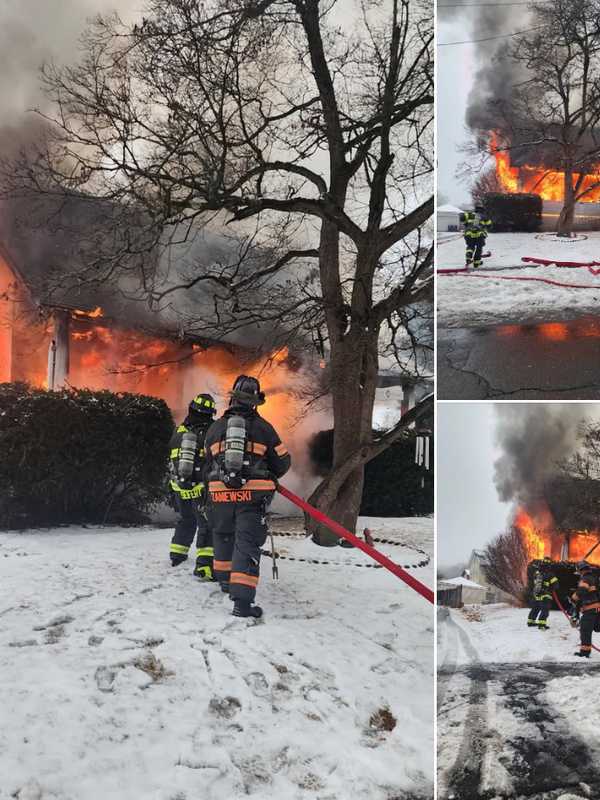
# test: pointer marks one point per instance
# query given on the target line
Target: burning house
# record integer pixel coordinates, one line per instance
(57, 331)
(555, 502)
(536, 170)
(542, 537)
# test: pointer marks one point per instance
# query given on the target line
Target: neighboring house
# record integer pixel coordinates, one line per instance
(477, 573)
(448, 219)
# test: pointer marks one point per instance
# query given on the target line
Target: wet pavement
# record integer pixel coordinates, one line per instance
(547, 360)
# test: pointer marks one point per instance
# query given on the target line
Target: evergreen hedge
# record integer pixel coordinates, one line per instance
(514, 212)
(394, 485)
(80, 456)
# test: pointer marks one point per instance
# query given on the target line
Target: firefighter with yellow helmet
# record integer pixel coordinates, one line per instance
(476, 225)
(186, 467)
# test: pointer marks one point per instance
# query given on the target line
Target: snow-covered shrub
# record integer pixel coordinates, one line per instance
(78, 456)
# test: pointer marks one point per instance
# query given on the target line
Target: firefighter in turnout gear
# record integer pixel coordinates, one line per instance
(476, 228)
(544, 583)
(186, 467)
(244, 457)
(587, 603)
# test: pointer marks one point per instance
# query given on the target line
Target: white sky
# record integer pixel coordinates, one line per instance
(456, 66)
(469, 513)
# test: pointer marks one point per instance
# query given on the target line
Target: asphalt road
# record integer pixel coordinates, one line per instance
(499, 738)
(549, 361)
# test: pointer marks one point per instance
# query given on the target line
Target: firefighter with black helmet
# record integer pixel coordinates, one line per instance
(586, 599)
(244, 458)
(544, 583)
(476, 228)
(186, 467)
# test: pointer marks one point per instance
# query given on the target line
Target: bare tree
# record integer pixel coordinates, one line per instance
(573, 493)
(554, 112)
(506, 563)
(484, 184)
(308, 136)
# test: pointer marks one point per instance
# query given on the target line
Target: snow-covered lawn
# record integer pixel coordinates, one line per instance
(464, 300)
(122, 678)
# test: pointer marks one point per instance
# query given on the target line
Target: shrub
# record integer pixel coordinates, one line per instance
(80, 456)
(394, 485)
(514, 212)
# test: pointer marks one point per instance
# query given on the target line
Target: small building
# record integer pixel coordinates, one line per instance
(458, 592)
(448, 218)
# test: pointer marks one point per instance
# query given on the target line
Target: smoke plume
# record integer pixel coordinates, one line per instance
(534, 438)
(32, 33)
(495, 74)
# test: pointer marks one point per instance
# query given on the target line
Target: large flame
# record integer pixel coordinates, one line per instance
(105, 356)
(549, 184)
(541, 538)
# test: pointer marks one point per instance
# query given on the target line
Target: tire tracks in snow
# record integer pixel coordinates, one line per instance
(540, 759)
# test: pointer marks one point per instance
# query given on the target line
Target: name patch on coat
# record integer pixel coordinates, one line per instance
(241, 496)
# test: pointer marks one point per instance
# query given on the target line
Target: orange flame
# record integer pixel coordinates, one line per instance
(97, 312)
(541, 538)
(549, 184)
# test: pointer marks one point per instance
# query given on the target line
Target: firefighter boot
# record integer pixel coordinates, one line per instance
(582, 654)
(204, 572)
(242, 608)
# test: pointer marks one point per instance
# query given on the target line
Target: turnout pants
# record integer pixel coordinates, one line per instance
(240, 530)
(589, 622)
(475, 246)
(538, 615)
(192, 519)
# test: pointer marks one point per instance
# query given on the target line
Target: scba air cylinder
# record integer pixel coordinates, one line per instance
(235, 444)
(187, 455)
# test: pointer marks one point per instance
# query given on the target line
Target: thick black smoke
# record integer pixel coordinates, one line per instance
(495, 73)
(534, 439)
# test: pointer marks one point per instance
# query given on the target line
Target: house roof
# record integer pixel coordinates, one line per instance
(449, 209)
(464, 582)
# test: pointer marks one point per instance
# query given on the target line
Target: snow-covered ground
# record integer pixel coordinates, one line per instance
(517, 712)
(123, 678)
(499, 633)
(465, 300)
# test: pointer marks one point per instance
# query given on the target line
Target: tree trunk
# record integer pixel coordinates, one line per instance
(354, 367)
(567, 214)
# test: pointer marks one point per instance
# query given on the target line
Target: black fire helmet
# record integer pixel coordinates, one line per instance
(246, 392)
(583, 567)
(203, 404)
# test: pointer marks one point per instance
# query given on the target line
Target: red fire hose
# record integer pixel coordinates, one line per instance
(559, 604)
(530, 279)
(546, 262)
(419, 587)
